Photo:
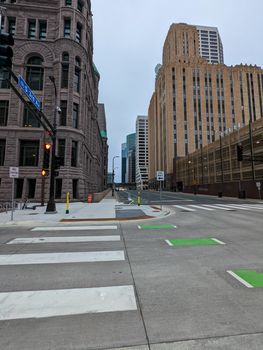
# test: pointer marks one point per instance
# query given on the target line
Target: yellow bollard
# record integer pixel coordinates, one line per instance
(67, 203)
(139, 198)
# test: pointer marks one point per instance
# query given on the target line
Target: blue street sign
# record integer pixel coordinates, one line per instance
(26, 89)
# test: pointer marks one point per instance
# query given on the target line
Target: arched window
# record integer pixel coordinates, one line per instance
(65, 57)
(35, 73)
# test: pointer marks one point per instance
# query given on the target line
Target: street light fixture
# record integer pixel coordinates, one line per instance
(51, 205)
(113, 174)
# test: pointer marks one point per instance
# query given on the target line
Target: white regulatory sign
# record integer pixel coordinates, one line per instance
(14, 172)
(258, 185)
(160, 175)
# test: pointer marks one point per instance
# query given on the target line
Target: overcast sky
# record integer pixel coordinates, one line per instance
(128, 42)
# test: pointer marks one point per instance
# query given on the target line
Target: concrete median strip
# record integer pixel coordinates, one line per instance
(186, 242)
(249, 278)
(62, 302)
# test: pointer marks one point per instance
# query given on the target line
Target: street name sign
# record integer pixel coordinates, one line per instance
(14, 172)
(258, 185)
(26, 89)
(160, 175)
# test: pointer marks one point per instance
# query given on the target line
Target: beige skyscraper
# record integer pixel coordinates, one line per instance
(194, 100)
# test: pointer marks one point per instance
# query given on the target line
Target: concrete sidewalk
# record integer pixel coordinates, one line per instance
(106, 210)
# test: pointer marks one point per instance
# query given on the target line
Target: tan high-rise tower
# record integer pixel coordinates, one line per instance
(195, 100)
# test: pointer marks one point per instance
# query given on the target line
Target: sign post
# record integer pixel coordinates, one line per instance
(160, 178)
(259, 189)
(13, 174)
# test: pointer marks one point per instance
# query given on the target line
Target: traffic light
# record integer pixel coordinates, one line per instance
(46, 158)
(239, 153)
(44, 172)
(6, 52)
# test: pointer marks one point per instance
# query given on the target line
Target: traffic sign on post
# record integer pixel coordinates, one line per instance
(26, 89)
(160, 175)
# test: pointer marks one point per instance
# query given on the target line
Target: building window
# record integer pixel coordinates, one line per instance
(63, 114)
(35, 73)
(61, 151)
(77, 75)
(42, 32)
(31, 29)
(11, 25)
(31, 189)
(58, 188)
(75, 188)
(75, 117)
(68, 2)
(80, 5)
(30, 120)
(4, 105)
(4, 75)
(29, 152)
(74, 153)
(65, 70)
(78, 32)
(67, 27)
(3, 24)
(2, 152)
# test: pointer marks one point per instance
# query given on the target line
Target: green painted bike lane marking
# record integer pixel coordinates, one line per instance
(254, 278)
(184, 242)
(149, 227)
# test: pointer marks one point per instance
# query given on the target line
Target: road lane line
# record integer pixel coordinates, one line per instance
(200, 207)
(168, 242)
(218, 241)
(183, 208)
(62, 302)
(59, 258)
(245, 283)
(216, 207)
(74, 228)
(252, 206)
(64, 239)
(231, 206)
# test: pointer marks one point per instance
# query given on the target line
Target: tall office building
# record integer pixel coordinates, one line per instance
(194, 101)
(142, 152)
(103, 134)
(210, 44)
(123, 162)
(52, 39)
(130, 167)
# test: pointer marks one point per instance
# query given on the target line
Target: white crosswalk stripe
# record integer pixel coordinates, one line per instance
(74, 228)
(219, 206)
(201, 207)
(183, 207)
(74, 239)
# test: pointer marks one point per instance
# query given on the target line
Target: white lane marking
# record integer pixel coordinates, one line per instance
(251, 206)
(216, 207)
(74, 228)
(218, 241)
(61, 302)
(231, 206)
(59, 258)
(240, 279)
(139, 227)
(168, 242)
(200, 207)
(64, 239)
(183, 208)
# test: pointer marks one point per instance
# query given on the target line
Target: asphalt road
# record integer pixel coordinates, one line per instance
(173, 297)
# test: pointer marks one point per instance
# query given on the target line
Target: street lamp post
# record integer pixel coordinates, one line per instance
(51, 205)
(113, 174)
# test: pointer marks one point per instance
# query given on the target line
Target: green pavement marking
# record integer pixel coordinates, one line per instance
(254, 278)
(149, 227)
(183, 242)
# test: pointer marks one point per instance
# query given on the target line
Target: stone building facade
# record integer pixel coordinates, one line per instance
(194, 101)
(52, 38)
